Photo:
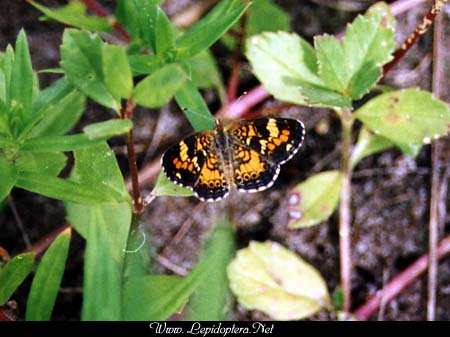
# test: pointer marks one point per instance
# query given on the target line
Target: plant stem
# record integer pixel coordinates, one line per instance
(137, 199)
(345, 210)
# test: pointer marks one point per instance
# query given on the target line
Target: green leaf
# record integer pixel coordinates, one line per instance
(61, 189)
(117, 71)
(47, 279)
(13, 274)
(41, 163)
(205, 73)
(211, 300)
(156, 297)
(146, 11)
(144, 64)
(314, 200)
(105, 228)
(81, 55)
(266, 16)
(21, 82)
(74, 14)
(157, 89)
(368, 144)
(57, 143)
(270, 278)
(206, 32)
(408, 118)
(284, 73)
(57, 118)
(194, 107)
(352, 67)
(164, 186)
(165, 36)
(8, 177)
(108, 129)
(126, 13)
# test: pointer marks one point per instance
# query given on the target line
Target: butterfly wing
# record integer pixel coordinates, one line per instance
(275, 139)
(192, 163)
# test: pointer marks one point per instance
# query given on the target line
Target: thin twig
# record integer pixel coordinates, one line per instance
(418, 32)
(400, 282)
(19, 222)
(436, 181)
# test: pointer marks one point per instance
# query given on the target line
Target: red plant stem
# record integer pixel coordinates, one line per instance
(418, 32)
(400, 282)
(95, 7)
(137, 199)
(233, 83)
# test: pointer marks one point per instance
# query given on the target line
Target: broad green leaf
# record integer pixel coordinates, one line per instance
(146, 11)
(219, 250)
(21, 82)
(50, 163)
(144, 64)
(165, 36)
(74, 14)
(206, 32)
(314, 200)
(157, 89)
(105, 228)
(268, 277)
(156, 297)
(137, 257)
(408, 118)
(353, 66)
(126, 13)
(117, 71)
(108, 129)
(57, 143)
(205, 73)
(284, 73)
(8, 177)
(61, 189)
(13, 274)
(57, 118)
(47, 280)
(164, 186)
(52, 94)
(97, 167)
(81, 59)
(266, 16)
(194, 107)
(368, 144)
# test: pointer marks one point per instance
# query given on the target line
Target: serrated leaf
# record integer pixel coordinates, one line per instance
(108, 129)
(47, 279)
(74, 14)
(314, 200)
(8, 177)
(194, 107)
(270, 278)
(352, 67)
(219, 250)
(283, 74)
(164, 186)
(117, 71)
(408, 118)
(368, 144)
(156, 297)
(81, 59)
(157, 89)
(13, 274)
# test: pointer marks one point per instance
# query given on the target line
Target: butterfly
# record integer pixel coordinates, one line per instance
(246, 155)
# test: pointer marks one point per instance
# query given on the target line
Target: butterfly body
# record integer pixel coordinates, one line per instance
(247, 156)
